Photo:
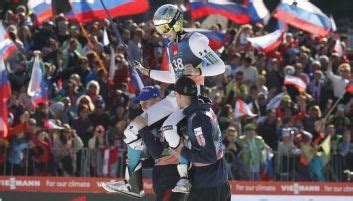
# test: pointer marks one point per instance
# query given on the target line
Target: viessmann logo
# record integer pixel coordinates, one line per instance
(297, 188)
(13, 183)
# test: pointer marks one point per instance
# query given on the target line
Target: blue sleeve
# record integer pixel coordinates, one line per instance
(206, 151)
(154, 146)
(20, 147)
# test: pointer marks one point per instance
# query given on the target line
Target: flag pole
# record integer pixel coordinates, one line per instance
(89, 41)
(334, 105)
(123, 44)
(117, 33)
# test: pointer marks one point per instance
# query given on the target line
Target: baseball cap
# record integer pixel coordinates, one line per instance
(147, 93)
(249, 127)
(186, 86)
(286, 132)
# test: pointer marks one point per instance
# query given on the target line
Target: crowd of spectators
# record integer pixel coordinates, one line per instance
(89, 97)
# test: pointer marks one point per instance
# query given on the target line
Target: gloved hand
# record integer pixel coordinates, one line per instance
(143, 70)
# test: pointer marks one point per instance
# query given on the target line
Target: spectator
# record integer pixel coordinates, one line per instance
(42, 153)
(99, 116)
(18, 153)
(225, 117)
(346, 146)
(252, 146)
(318, 89)
(135, 46)
(65, 147)
(104, 145)
(339, 119)
(83, 125)
(340, 81)
(268, 129)
(249, 72)
(287, 154)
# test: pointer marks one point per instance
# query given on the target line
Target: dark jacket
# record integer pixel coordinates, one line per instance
(204, 147)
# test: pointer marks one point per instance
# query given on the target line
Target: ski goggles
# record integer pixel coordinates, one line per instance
(163, 28)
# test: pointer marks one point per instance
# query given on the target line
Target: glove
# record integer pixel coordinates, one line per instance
(132, 138)
(143, 70)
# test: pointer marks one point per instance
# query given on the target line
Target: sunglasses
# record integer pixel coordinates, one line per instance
(163, 28)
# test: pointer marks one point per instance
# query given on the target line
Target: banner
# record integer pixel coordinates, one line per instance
(239, 188)
(292, 188)
(61, 184)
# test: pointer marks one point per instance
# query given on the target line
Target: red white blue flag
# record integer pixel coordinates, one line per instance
(89, 10)
(295, 81)
(269, 42)
(42, 9)
(305, 16)
(136, 81)
(349, 87)
(236, 12)
(257, 11)
(37, 88)
(7, 46)
(216, 38)
(5, 94)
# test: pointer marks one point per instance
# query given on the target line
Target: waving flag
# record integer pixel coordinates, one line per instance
(266, 169)
(37, 88)
(258, 11)
(106, 41)
(5, 94)
(295, 81)
(274, 102)
(89, 10)
(269, 42)
(216, 38)
(136, 81)
(52, 125)
(7, 46)
(42, 9)
(305, 16)
(333, 24)
(338, 48)
(233, 11)
(242, 109)
(349, 87)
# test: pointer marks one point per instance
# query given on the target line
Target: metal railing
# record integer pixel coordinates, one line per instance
(288, 168)
(86, 163)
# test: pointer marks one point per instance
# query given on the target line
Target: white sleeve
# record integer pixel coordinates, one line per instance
(162, 76)
(212, 64)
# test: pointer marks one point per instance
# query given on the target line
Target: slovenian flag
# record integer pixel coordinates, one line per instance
(7, 46)
(236, 12)
(5, 95)
(88, 10)
(258, 12)
(295, 81)
(37, 89)
(42, 9)
(267, 43)
(305, 16)
(216, 38)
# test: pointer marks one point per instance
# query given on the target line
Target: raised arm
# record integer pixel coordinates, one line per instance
(212, 64)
